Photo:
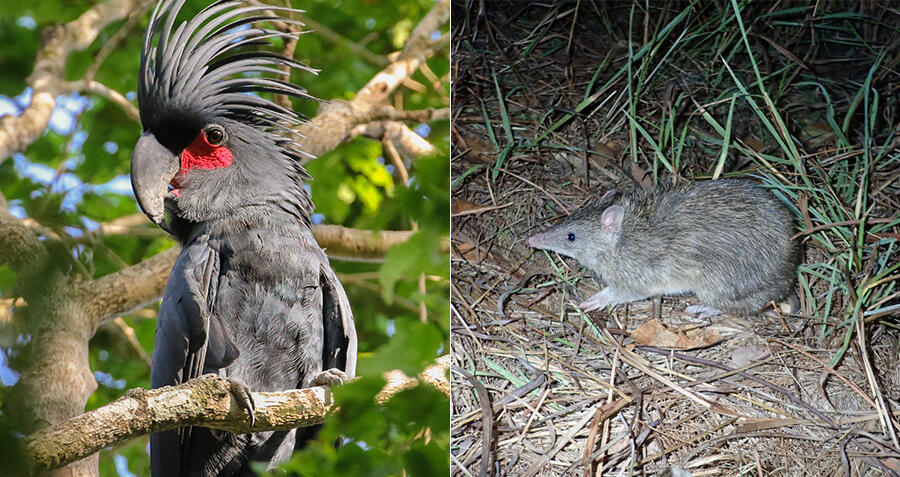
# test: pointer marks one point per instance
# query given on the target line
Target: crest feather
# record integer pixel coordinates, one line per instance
(209, 64)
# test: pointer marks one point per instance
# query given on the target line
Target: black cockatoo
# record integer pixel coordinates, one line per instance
(252, 296)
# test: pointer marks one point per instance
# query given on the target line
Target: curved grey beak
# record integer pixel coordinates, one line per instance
(152, 168)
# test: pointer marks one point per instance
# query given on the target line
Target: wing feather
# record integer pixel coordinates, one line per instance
(187, 336)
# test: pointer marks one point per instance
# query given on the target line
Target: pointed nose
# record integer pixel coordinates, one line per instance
(152, 168)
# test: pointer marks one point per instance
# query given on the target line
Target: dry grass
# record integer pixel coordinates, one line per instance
(554, 103)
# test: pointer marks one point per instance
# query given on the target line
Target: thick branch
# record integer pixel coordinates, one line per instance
(117, 293)
(205, 401)
(47, 81)
(344, 243)
(19, 246)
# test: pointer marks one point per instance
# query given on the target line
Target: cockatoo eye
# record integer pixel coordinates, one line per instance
(571, 237)
(215, 135)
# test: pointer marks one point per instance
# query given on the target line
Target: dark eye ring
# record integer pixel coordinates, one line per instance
(571, 237)
(215, 135)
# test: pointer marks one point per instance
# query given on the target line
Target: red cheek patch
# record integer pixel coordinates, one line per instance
(203, 155)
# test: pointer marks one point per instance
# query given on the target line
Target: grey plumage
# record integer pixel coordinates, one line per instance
(252, 296)
(727, 241)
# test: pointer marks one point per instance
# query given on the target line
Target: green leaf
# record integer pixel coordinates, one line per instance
(358, 416)
(414, 346)
(105, 207)
(7, 278)
(14, 187)
(18, 46)
(47, 149)
(417, 408)
(426, 460)
(105, 123)
(419, 254)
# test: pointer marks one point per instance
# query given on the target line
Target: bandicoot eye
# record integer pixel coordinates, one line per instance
(571, 237)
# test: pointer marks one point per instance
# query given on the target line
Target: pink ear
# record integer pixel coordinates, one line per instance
(607, 194)
(611, 222)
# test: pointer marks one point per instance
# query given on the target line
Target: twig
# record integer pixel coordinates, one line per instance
(100, 89)
(131, 337)
(487, 422)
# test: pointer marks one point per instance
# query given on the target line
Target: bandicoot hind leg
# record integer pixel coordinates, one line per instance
(609, 296)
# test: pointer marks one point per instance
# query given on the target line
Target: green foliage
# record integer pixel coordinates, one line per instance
(410, 431)
(71, 179)
(97, 164)
(46, 12)
(350, 182)
(7, 277)
(414, 346)
(48, 149)
(415, 256)
(18, 46)
(11, 447)
(16, 188)
(105, 207)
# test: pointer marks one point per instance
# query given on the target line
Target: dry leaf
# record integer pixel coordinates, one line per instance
(755, 144)
(468, 251)
(655, 333)
(463, 205)
(478, 148)
(816, 135)
(641, 176)
(891, 463)
(603, 154)
(747, 354)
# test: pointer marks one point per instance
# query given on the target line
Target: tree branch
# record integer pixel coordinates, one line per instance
(100, 89)
(112, 295)
(337, 118)
(408, 144)
(47, 81)
(204, 401)
(414, 54)
(19, 246)
(341, 243)
(136, 286)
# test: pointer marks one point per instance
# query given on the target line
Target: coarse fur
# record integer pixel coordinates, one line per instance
(252, 296)
(727, 241)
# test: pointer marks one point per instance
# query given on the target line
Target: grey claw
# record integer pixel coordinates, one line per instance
(244, 397)
(330, 377)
